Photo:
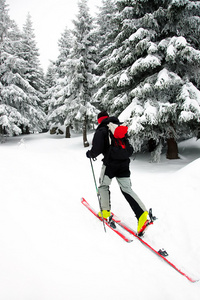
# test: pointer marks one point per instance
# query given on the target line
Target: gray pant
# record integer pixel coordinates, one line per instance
(125, 186)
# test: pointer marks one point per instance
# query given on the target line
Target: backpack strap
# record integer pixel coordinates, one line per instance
(111, 130)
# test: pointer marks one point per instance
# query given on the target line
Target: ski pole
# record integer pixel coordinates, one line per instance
(98, 195)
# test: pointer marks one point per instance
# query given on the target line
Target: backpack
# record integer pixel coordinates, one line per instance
(120, 147)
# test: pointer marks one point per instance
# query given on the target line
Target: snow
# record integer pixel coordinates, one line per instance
(145, 63)
(150, 113)
(52, 247)
(166, 78)
(123, 79)
(180, 42)
(138, 35)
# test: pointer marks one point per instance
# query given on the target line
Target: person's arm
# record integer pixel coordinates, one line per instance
(98, 144)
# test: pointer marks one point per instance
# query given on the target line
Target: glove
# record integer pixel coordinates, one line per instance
(88, 154)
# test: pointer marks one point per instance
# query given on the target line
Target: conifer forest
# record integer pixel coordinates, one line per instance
(137, 59)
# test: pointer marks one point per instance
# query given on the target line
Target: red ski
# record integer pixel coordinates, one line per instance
(160, 253)
(122, 235)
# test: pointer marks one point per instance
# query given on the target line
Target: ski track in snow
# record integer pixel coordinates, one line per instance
(53, 248)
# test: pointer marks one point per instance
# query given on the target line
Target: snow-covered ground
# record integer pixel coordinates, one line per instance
(53, 248)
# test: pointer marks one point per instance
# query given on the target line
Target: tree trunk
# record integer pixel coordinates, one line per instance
(1, 129)
(85, 142)
(27, 130)
(172, 150)
(152, 145)
(67, 132)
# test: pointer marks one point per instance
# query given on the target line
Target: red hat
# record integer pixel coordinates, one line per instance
(102, 115)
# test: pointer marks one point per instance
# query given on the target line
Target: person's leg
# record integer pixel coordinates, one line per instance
(134, 201)
(103, 189)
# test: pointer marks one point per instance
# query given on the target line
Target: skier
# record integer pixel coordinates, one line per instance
(114, 168)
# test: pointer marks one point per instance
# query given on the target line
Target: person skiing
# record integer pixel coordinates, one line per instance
(114, 168)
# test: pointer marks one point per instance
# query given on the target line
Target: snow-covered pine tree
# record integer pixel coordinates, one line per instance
(81, 113)
(58, 92)
(30, 53)
(153, 71)
(18, 100)
(50, 76)
(111, 95)
(4, 21)
(65, 45)
(106, 31)
(5, 24)
(50, 81)
(10, 118)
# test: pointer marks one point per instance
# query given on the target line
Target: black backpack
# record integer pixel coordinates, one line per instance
(120, 147)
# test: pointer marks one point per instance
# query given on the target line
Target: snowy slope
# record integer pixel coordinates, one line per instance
(53, 248)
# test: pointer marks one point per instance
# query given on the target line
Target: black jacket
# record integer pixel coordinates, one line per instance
(100, 143)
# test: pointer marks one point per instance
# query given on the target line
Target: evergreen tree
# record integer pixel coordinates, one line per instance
(105, 29)
(50, 81)
(18, 100)
(153, 72)
(58, 92)
(64, 44)
(50, 77)
(106, 32)
(30, 53)
(4, 21)
(10, 117)
(81, 74)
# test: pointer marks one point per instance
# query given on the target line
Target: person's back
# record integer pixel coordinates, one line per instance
(114, 167)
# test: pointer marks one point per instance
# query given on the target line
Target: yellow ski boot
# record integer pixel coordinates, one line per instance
(142, 223)
(106, 214)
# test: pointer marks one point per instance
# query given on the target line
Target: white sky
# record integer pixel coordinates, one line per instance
(49, 17)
